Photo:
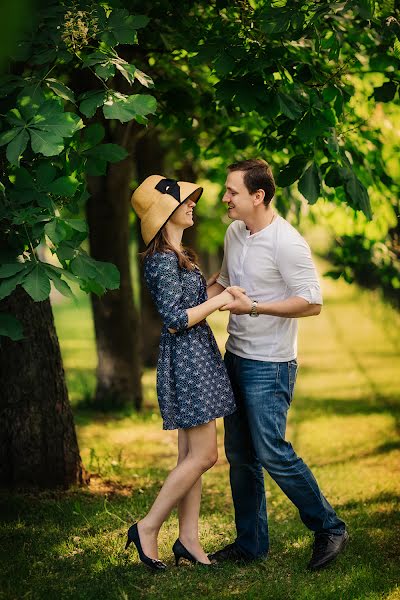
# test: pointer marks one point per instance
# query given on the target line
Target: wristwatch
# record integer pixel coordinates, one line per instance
(253, 311)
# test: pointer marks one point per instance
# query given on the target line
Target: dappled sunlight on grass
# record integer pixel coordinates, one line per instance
(344, 422)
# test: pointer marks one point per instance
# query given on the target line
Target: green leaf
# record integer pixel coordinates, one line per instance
(109, 152)
(125, 108)
(246, 98)
(90, 102)
(105, 70)
(23, 179)
(289, 107)
(64, 186)
(396, 48)
(60, 285)
(95, 166)
(45, 173)
(366, 8)
(16, 147)
(357, 193)
(29, 100)
(309, 184)
(7, 136)
(15, 118)
(224, 64)
(103, 273)
(46, 143)
(60, 89)
(139, 21)
(50, 125)
(143, 78)
(93, 134)
(333, 178)
(108, 275)
(292, 171)
(51, 117)
(8, 285)
(10, 327)
(84, 266)
(37, 283)
(62, 272)
(333, 274)
(66, 251)
(91, 286)
(56, 230)
(311, 126)
(386, 92)
(10, 269)
(77, 224)
(123, 25)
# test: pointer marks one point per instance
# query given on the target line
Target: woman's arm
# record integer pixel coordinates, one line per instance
(162, 276)
(202, 311)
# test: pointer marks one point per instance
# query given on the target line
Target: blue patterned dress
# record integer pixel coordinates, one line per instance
(192, 384)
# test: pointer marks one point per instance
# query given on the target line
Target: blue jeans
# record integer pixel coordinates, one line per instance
(255, 438)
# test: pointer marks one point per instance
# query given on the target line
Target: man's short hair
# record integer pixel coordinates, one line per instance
(257, 176)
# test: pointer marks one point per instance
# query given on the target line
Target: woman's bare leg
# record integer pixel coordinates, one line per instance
(189, 508)
(202, 455)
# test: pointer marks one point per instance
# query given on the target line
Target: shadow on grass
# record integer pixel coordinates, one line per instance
(311, 406)
(71, 546)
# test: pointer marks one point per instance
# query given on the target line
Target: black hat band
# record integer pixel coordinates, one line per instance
(170, 187)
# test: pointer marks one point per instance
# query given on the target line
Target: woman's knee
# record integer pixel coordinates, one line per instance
(207, 460)
(182, 454)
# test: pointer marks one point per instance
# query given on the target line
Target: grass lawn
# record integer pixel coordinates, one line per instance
(344, 421)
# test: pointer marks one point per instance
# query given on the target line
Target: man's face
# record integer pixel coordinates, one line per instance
(237, 197)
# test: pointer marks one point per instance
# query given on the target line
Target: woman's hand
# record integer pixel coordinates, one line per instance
(225, 298)
(241, 304)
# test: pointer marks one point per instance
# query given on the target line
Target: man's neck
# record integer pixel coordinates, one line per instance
(260, 220)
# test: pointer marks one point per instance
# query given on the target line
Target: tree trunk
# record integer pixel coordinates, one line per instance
(115, 317)
(38, 444)
(149, 161)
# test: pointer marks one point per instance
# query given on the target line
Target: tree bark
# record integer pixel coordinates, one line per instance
(38, 444)
(149, 161)
(115, 317)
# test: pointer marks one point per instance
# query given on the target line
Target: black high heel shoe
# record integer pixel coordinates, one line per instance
(180, 551)
(133, 536)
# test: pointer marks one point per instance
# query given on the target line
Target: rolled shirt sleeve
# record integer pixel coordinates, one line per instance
(297, 268)
(161, 272)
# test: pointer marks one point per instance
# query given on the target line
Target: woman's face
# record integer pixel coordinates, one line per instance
(183, 216)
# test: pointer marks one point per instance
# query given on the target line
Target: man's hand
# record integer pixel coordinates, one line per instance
(241, 304)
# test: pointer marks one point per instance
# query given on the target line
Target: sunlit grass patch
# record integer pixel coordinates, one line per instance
(344, 421)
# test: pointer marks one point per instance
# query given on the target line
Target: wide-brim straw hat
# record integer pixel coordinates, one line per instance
(156, 200)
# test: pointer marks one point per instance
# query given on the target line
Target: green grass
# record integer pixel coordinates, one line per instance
(344, 422)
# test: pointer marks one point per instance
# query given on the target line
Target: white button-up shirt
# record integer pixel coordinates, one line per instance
(271, 265)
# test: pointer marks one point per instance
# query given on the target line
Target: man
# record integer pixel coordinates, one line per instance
(268, 258)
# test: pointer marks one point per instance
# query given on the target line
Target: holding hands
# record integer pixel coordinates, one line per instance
(240, 303)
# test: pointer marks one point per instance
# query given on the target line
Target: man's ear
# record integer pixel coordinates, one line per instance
(259, 197)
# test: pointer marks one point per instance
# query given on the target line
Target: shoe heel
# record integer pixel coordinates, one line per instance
(128, 543)
(177, 559)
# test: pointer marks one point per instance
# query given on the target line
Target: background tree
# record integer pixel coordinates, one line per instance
(49, 153)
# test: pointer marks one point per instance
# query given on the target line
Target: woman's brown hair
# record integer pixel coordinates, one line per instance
(187, 258)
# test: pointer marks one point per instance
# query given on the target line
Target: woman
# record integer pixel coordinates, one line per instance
(192, 385)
